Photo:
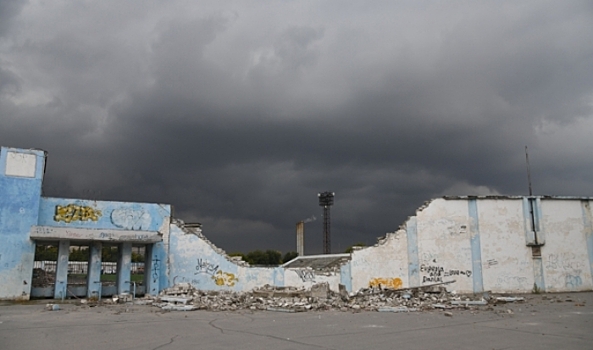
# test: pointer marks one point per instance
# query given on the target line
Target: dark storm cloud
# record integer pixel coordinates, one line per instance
(239, 114)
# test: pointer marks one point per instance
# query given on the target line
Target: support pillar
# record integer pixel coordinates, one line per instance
(61, 285)
(93, 280)
(151, 275)
(124, 267)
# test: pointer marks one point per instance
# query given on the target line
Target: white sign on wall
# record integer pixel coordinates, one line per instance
(20, 164)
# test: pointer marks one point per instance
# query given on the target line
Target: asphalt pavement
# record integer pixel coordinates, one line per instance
(546, 321)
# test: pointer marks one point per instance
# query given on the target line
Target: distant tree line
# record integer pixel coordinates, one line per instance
(266, 258)
(108, 254)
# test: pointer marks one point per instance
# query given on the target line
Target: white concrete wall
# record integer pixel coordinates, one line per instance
(481, 243)
(443, 244)
(305, 278)
(507, 264)
(385, 263)
(565, 257)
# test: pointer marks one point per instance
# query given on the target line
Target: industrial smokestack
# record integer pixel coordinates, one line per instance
(300, 231)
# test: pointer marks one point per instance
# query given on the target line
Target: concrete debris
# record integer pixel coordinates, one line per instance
(184, 297)
(52, 307)
(469, 302)
(509, 299)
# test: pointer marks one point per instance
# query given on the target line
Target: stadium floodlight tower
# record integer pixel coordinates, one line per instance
(326, 199)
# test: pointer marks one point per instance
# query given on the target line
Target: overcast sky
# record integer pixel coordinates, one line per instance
(239, 112)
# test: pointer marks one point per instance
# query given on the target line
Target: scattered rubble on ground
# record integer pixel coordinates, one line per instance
(184, 297)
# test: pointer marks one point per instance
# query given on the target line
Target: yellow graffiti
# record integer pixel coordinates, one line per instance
(225, 279)
(394, 283)
(73, 212)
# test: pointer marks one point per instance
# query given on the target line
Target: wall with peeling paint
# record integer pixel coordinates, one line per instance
(486, 243)
(385, 264)
(498, 243)
(193, 259)
(80, 213)
(21, 176)
(306, 277)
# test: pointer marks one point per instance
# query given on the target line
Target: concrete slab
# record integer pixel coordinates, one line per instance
(560, 321)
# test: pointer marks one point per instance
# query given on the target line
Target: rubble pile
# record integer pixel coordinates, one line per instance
(184, 297)
(42, 278)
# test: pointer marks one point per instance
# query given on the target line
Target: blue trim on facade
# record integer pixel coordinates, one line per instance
(538, 274)
(529, 236)
(19, 210)
(110, 215)
(124, 265)
(61, 281)
(476, 247)
(94, 270)
(539, 226)
(413, 259)
(346, 275)
(588, 225)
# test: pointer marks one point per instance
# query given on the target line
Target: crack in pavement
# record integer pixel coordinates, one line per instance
(211, 323)
(169, 343)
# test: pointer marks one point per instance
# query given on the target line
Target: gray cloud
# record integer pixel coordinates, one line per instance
(238, 114)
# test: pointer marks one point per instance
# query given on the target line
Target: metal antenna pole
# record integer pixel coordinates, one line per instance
(528, 171)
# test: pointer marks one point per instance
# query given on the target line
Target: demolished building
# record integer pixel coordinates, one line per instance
(503, 244)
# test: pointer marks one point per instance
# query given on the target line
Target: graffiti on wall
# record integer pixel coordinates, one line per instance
(225, 279)
(73, 212)
(564, 261)
(204, 266)
(156, 266)
(131, 219)
(491, 262)
(306, 275)
(572, 281)
(393, 283)
(435, 273)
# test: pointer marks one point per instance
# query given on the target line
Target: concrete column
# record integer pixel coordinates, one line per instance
(93, 279)
(124, 267)
(60, 290)
(150, 282)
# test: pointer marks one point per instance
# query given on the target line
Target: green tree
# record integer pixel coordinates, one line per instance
(289, 256)
(80, 254)
(109, 254)
(137, 257)
(46, 253)
(351, 248)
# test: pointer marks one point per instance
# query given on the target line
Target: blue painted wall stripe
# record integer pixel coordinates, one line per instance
(538, 274)
(588, 224)
(413, 260)
(346, 276)
(529, 236)
(476, 247)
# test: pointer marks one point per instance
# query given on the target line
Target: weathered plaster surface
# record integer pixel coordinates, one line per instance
(21, 176)
(102, 214)
(385, 263)
(506, 260)
(564, 256)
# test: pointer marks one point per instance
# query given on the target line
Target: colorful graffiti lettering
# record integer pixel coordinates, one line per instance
(73, 212)
(394, 283)
(225, 278)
